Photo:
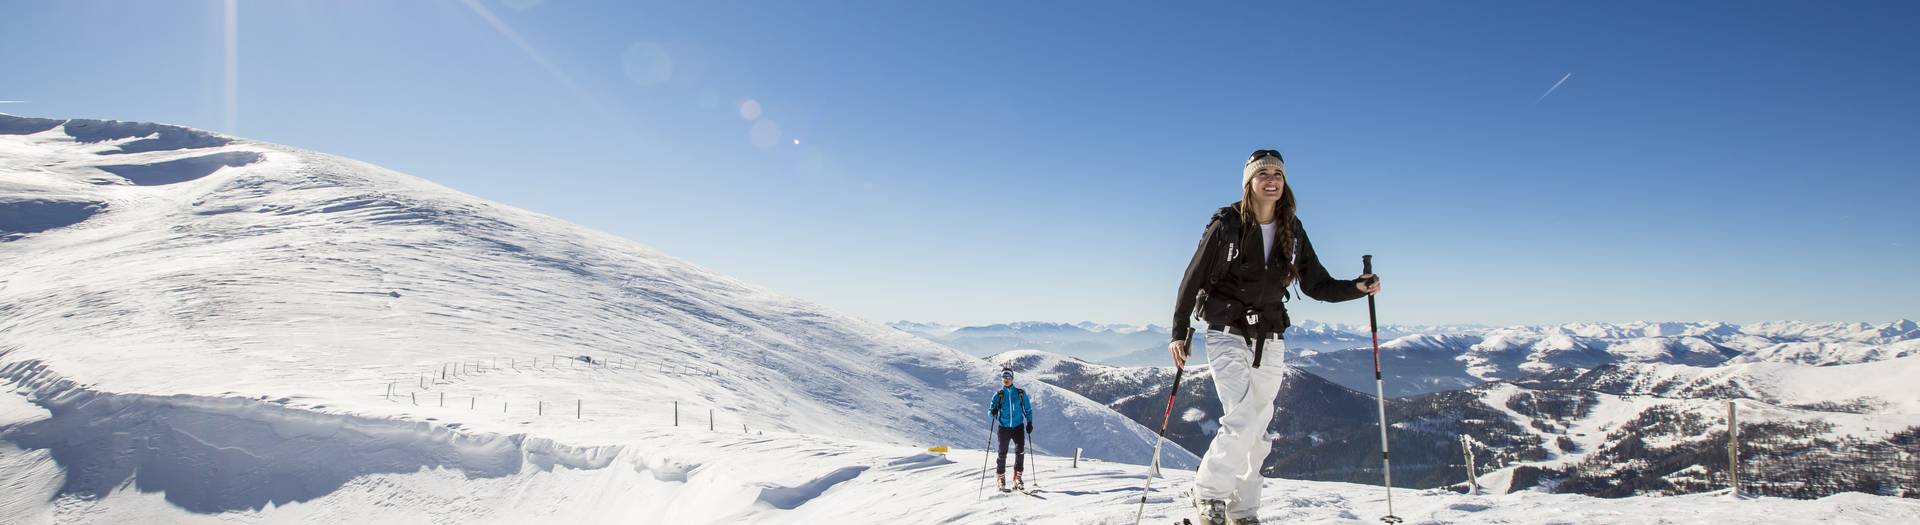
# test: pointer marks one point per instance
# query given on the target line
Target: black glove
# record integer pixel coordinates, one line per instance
(1029, 427)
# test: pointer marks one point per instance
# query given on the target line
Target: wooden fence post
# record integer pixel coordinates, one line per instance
(1466, 451)
(1733, 448)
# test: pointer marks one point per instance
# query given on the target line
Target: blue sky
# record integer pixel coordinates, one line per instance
(987, 162)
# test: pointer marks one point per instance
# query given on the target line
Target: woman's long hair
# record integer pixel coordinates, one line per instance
(1283, 217)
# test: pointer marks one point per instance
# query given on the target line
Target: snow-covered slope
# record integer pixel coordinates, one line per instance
(386, 471)
(145, 259)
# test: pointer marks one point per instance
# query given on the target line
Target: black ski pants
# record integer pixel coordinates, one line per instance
(1019, 437)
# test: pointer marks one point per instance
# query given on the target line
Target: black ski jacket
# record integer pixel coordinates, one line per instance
(1239, 281)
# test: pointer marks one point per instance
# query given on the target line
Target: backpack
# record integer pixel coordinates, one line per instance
(1020, 394)
(1229, 235)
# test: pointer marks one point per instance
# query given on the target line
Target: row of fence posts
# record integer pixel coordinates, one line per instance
(540, 408)
(454, 370)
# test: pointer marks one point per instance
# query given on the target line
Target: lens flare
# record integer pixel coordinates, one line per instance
(750, 110)
(764, 134)
(647, 63)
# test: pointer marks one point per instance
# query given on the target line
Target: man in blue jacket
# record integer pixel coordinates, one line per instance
(1010, 409)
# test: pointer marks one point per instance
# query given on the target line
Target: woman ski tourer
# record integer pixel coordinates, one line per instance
(1013, 414)
(1237, 285)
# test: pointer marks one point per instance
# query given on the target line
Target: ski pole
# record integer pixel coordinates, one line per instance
(1164, 418)
(984, 458)
(1034, 461)
(1380, 394)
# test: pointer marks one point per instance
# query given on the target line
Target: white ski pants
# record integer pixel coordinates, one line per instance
(1231, 468)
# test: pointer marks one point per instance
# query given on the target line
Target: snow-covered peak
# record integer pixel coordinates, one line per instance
(217, 266)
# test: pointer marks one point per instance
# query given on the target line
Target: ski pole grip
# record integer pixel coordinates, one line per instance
(1366, 264)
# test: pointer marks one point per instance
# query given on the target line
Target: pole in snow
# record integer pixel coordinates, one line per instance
(1033, 461)
(1733, 449)
(985, 455)
(1466, 452)
(1164, 418)
(1380, 394)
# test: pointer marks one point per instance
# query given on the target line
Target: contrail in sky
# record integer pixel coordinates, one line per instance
(501, 27)
(1556, 85)
(580, 93)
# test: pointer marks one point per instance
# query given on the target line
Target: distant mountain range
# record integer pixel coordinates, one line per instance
(1127, 344)
(1426, 359)
(1599, 409)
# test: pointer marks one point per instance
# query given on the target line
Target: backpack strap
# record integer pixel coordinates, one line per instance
(1226, 243)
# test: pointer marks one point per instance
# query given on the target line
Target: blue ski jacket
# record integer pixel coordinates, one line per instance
(1010, 408)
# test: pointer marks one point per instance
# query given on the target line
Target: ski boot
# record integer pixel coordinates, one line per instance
(1002, 478)
(1211, 511)
(1249, 520)
(1017, 483)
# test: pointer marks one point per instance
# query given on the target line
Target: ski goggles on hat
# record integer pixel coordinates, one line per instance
(1257, 154)
(1006, 374)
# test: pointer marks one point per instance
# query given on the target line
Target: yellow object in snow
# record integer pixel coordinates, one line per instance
(942, 449)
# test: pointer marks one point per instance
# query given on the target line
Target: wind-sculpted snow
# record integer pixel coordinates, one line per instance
(180, 170)
(220, 454)
(147, 136)
(23, 215)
